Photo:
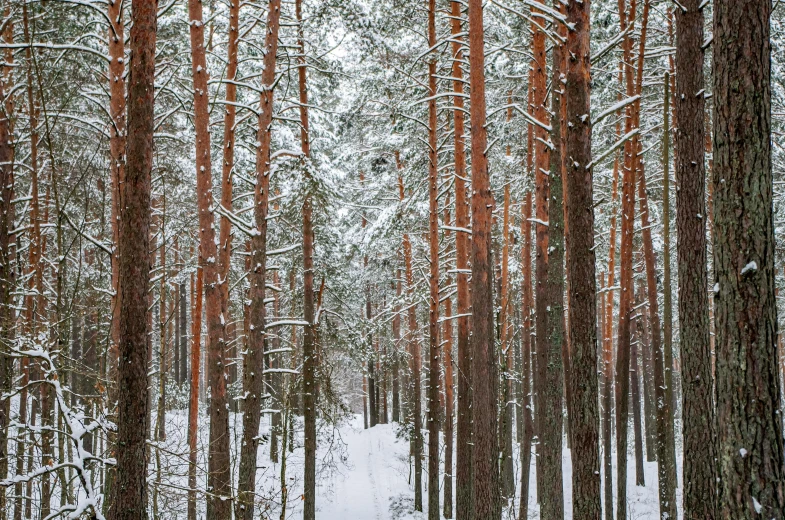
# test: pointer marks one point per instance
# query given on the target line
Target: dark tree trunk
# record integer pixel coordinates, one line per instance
(581, 269)
(193, 398)
(7, 281)
(607, 340)
(667, 408)
(449, 406)
(635, 393)
(177, 334)
(748, 386)
(396, 382)
(526, 332)
(183, 368)
(507, 474)
(434, 357)
(551, 495)
(625, 279)
(541, 165)
(699, 426)
(131, 493)
(310, 357)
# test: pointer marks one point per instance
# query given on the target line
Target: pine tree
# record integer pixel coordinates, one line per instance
(130, 501)
(750, 449)
(700, 467)
(581, 269)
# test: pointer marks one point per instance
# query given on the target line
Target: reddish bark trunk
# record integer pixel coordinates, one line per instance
(485, 401)
(463, 467)
(626, 294)
(310, 358)
(219, 466)
(416, 365)
(253, 375)
(193, 400)
(131, 497)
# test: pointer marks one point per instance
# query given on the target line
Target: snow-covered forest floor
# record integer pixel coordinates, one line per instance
(361, 474)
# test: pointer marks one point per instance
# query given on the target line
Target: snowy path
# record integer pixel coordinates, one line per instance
(376, 473)
(367, 478)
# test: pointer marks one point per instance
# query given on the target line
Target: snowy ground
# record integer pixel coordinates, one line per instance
(361, 475)
(373, 482)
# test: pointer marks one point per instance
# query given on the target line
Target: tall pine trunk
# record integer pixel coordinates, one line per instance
(130, 501)
(748, 386)
(310, 357)
(253, 367)
(396, 326)
(7, 282)
(525, 414)
(607, 347)
(193, 399)
(581, 268)
(541, 165)
(117, 137)
(463, 453)
(416, 365)
(505, 324)
(484, 370)
(434, 361)
(667, 409)
(625, 278)
(219, 478)
(527, 308)
(449, 401)
(699, 426)
(551, 495)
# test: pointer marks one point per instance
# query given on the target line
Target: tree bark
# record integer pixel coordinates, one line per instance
(667, 409)
(748, 388)
(434, 357)
(625, 279)
(541, 194)
(581, 269)
(183, 368)
(551, 495)
(527, 308)
(219, 477)
(117, 138)
(485, 383)
(699, 426)
(131, 497)
(7, 282)
(463, 454)
(396, 382)
(505, 323)
(449, 403)
(607, 347)
(526, 333)
(635, 391)
(193, 400)
(253, 375)
(416, 363)
(310, 358)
